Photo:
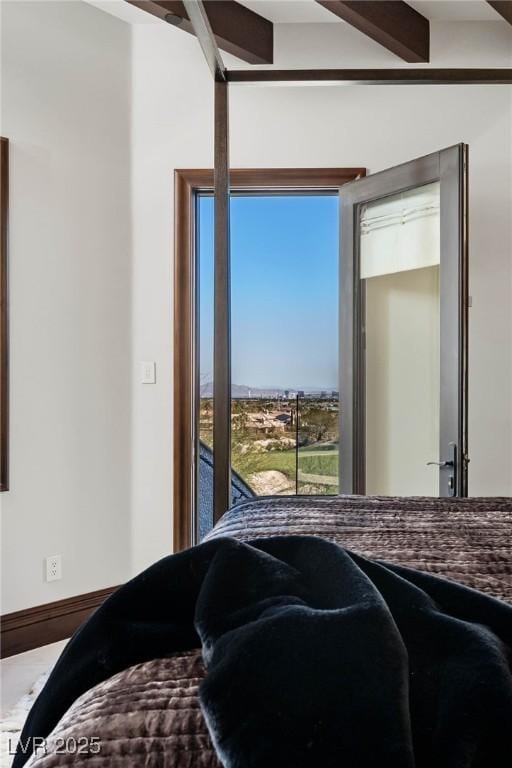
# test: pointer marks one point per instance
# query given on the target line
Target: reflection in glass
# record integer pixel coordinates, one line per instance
(399, 258)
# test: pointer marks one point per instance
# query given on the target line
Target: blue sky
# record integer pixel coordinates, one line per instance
(284, 287)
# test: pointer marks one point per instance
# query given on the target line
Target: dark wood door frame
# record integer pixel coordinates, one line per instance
(187, 184)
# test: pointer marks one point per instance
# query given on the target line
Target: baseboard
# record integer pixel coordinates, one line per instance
(34, 627)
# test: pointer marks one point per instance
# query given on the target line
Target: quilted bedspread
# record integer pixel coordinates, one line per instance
(467, 540)
(148, 715)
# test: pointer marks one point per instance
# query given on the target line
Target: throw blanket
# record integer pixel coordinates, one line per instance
(315, 656)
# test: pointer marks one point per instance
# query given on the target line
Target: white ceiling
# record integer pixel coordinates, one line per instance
(456, 10)
(291, 11)
(310, 12)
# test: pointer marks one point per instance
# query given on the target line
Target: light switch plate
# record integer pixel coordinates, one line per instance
(148, 372)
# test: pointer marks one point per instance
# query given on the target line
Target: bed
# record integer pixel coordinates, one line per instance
(467, 540)
(148, 715)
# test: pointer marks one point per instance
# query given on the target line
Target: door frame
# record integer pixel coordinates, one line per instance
(449, 167)
(188, 183)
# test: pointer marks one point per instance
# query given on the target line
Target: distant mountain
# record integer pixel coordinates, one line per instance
(242, 391)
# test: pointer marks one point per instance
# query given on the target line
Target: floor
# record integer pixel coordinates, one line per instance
(21, 679)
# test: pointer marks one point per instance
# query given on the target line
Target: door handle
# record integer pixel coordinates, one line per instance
(449, 482)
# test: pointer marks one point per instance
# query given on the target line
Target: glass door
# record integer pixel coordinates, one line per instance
(284, 346)
(403, 345)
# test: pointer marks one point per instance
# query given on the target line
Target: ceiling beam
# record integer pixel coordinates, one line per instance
(400, 76)
(503, 7)
(392, 23)
(237, 29)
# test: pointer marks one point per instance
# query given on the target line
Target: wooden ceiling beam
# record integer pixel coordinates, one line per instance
(392, 23)
(503, 7)
(237, 29)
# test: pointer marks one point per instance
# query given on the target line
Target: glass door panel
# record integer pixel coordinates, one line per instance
(284, 327)
(403, 347)
(284, 339)
(204, 362)
(400, 253)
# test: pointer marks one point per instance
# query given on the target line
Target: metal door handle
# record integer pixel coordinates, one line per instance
(448, 482)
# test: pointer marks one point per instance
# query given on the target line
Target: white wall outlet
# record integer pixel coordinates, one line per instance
(148, 372)
(53, 567)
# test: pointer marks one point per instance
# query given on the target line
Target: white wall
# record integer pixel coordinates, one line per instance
(66, 94)
(100, 113)
(374, 127)
(172, 128)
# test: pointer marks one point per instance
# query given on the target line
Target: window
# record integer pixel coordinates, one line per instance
(284, 339)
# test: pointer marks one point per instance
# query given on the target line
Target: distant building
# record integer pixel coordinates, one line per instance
(300, 393)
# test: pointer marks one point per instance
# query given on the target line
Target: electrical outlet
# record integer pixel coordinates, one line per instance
(53, 565)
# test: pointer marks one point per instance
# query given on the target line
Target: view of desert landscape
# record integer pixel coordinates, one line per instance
(282, 443)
